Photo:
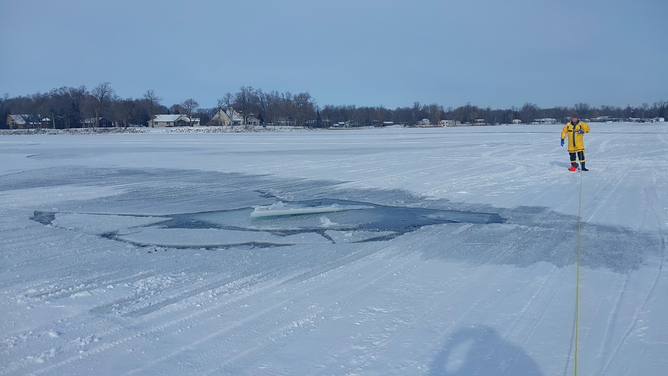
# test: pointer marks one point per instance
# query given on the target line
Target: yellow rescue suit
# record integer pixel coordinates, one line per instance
(575, 142)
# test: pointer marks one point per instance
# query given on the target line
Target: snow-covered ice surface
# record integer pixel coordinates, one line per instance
(136, 254)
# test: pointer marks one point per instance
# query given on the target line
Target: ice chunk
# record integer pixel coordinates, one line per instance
(279, 209)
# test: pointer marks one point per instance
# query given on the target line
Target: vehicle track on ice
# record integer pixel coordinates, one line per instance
(531, 308)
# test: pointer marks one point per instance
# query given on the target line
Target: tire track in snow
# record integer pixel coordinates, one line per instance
(534, 312)
(539, 221)
(101, 309)
(277, 335)
(275, 321)
(603, 195)
(251, 355)
(612, 318)
(332, 292)
(382, 344)
(181, 320)
(370, 356)
(151, 330)
(634, 321)
(61, 292)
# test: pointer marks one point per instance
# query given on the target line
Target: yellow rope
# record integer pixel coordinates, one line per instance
(577, 284)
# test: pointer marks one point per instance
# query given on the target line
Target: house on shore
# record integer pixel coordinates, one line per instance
(226, 117)
(25, 121)
(447, 123)
(92, 123)
(173, 121)
(252, 120)
(545, 121)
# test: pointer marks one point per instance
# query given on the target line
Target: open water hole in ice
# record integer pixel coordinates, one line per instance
(349, 216)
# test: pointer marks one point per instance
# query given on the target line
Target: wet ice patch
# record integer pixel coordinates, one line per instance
(358, 236)
(280, 223)
(215, 237)
(98, 224)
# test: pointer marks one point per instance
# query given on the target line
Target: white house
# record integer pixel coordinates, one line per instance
(173, 121)
(229, 117)
(545, 121)
(602, 119)
(517, 121)
(447, 123)
(252, 120)
(220, 118)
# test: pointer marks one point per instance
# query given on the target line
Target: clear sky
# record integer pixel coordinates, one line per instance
(344, 52)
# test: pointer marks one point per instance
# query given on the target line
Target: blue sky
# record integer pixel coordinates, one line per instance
(345, 52)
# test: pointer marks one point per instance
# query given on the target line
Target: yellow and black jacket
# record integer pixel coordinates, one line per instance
(575, 142)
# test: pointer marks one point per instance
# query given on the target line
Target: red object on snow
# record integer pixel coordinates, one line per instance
(572, 168)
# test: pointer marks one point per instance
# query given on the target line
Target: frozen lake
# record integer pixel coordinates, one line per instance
(444, 251)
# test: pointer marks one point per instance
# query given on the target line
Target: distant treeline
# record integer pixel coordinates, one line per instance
(73, 107)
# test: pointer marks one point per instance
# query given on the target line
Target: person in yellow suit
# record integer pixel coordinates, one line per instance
(574, 132)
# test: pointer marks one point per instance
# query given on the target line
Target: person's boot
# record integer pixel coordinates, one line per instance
(574, 167)
(583, 168)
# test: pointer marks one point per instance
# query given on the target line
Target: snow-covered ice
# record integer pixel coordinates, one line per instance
(440, 251)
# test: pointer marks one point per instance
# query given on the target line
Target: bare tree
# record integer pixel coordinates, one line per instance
(434, 112)
(529, 113)
(661, 108)
(177, 109)
(190, 105)
(645, 107)
(77, 99)
(582, 109)
(304, 108)
(4, 110)
(226, 101)
(153, 102)
(245, 101)
(271, 104)
(39, 109)
(101, 98)
(122, 110)
(261, 102)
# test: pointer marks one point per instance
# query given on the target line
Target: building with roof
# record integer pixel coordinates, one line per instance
(93, 122)
(25, 121)
(447, 123)
(173, 121)
(223, 117)
(545, 121)
(16, 121)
